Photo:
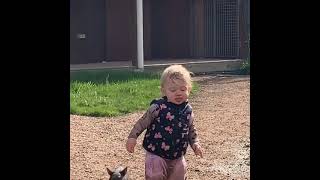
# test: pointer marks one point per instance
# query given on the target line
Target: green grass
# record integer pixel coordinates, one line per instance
(112, 93)
(110, 76)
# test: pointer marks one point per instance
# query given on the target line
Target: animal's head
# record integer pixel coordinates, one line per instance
(119, 174)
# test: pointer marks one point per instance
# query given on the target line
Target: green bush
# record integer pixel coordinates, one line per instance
(245, 67)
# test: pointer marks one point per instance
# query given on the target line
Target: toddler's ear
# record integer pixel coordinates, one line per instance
(163, 91)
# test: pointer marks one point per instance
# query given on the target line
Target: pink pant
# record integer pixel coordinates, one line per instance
(157, 168)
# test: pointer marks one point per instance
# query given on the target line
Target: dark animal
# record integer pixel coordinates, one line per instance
(119, 173)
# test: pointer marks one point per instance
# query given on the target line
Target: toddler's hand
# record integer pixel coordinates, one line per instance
(197, 149)
(131, 143)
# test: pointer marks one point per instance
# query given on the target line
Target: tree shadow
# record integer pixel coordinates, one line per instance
(110, 76)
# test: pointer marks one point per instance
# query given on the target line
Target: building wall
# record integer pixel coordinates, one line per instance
(87, 31)
(172, 29)
(121, 31)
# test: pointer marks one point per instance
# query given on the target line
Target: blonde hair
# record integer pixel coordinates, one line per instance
(176, 72)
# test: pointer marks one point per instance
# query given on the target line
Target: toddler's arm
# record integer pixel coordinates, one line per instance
(193, 137)
(141, 125)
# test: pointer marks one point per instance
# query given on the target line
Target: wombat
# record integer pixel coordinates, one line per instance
(119, 173)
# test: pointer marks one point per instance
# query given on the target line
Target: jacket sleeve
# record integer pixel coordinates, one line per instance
(144, 121)
(193, 136)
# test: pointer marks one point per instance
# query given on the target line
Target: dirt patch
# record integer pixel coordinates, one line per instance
(222, 118)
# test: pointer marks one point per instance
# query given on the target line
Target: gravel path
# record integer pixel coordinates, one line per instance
(222, 118)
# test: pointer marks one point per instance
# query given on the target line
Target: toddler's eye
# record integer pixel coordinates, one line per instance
(183, 89)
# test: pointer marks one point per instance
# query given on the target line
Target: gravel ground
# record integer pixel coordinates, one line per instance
(222, 118)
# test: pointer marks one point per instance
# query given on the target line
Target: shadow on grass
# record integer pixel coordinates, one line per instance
(110, 76)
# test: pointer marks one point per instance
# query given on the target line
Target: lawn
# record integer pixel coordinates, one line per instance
(112, 93)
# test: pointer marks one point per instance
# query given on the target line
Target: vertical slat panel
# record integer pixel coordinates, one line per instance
(209, 27)
(214, 15)
(221, 28)
(206, 28)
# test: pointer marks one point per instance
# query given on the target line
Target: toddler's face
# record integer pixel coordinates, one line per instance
(176, 91)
